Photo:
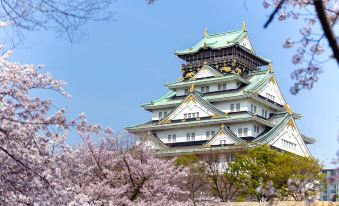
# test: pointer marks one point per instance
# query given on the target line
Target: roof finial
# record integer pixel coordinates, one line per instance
(270, 67)
(206, 32)
(192, 88)
(244, 27)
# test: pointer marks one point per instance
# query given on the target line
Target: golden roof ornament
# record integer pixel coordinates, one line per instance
(205, 32)
(288, 109)
(192, 88)
(222, 126)
(270, 67)
(244, 27)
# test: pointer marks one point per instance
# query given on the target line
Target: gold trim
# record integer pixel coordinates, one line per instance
(238, 70)
(189, 75)
(225, 69)
(288, 109)
(270, 67)
(244, 27)
(192, 88)
(234, 62)
(205, 32)
(292, 125)
(272, 80)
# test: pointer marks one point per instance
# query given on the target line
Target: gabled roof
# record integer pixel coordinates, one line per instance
(206, 69)
(255, 79)
(230, 118)
(225, 130)
(268, 136)
(195, 97)
(216, 41)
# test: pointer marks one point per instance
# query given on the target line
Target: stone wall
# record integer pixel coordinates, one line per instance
(283, 203)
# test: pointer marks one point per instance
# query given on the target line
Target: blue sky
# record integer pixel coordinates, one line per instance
(121, 64)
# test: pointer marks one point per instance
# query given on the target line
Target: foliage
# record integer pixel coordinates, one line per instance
(266, 173)
(222, 181)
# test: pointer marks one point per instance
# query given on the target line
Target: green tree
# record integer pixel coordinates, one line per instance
(222, 182)
(266, 173)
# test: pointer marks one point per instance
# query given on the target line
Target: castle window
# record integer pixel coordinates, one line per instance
(171, 138)
(204, 89)
(256, 128)
(288, 144)
(232, 107)
(222, 87)
(197, 114)
(212, 133)
(238, 107)
(269, 96)
(185, 116)
(193, 136)
(165, 114)
(245, 132)
(189, 115)
(253, 109)
(188, 136)
(160, 115)
(193, 115)
(174, 138)
(186, 91)
(264, 113)
(240, 132)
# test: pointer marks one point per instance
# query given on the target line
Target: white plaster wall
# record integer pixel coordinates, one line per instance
(213, 87)
(292, 135)
(246, 43)
(181, 91)
(272, 88)
(191, 107)
(259, 108)
(200, 133)
(155, 113)
(235, 127)
(203, 73)
(225, 106)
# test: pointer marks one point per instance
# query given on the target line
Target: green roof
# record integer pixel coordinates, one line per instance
(216, 41)
(255, 80)
(230, 118)
(185, 83)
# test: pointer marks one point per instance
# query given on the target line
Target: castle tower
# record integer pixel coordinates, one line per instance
(226, 100)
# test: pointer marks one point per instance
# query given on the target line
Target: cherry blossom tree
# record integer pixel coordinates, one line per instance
(38, 167)
(137, 176)
(320, 20)
(65, 17)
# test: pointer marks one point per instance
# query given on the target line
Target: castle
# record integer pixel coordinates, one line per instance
(227, 99)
